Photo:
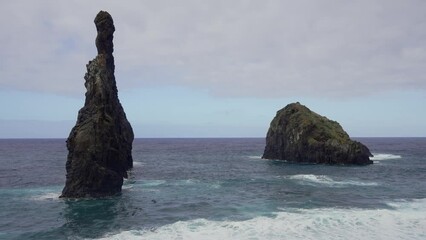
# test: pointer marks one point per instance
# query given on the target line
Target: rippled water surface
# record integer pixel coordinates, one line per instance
(218, 189)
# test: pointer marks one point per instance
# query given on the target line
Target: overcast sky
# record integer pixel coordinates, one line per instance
(218, 68)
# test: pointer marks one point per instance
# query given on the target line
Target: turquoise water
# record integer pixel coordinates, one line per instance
(218, 189)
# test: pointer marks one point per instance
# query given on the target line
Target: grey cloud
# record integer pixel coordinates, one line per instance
(232, 48)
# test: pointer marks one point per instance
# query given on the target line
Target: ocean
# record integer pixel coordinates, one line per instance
(218, 189)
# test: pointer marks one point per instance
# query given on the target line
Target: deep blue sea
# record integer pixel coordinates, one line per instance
(218, 189)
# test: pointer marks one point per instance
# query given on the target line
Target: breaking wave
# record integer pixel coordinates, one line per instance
(47, 196)
(311, 179)
(404, 220)
(384, 156)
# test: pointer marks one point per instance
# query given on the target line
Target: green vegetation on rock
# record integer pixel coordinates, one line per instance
(298, 134)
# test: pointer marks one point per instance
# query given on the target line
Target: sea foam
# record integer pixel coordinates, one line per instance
(406, 220)
(311, 179)
(47, 196)
(138, 164)
(384, 156)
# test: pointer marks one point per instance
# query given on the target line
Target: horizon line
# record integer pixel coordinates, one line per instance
(53, 138)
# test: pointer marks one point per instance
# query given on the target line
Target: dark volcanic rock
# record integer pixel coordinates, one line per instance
(297, 134)
(105, 28)
(100, 144)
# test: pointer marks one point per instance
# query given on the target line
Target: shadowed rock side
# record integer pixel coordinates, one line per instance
(100, 144)
(297, 134)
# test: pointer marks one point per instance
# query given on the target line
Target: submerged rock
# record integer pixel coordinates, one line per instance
(297, 134)
(100, 144)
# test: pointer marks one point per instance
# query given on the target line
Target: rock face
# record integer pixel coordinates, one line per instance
(100, 144)
(297, 134)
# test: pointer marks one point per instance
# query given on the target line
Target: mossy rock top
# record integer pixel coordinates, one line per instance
(299, 134)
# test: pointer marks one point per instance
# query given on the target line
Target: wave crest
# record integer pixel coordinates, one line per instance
(384, 156)
(406, 221)
(311, 179)
(47, 196)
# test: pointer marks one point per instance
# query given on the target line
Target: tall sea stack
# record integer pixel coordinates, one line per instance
(297, 134)
(100, 144)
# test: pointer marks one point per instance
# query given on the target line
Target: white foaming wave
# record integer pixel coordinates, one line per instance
(311, 179)
(198, 183)
(178, 183)
(47, 196)
(152, 183)
(384, 156)
(184, 182)
(255, 157)
(143, 185)
(138, 164)
(406, 221)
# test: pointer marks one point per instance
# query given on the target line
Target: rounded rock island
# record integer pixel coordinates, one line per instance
(297, 134)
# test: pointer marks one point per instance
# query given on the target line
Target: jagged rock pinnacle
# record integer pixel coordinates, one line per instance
(105, 27)
(100, 144)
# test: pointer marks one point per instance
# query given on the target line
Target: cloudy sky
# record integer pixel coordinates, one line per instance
(218, 68)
